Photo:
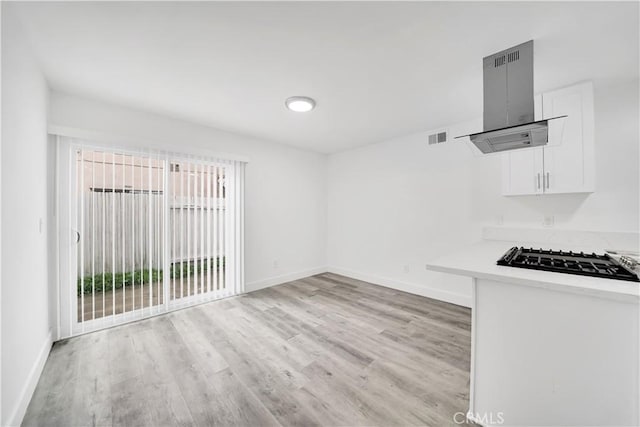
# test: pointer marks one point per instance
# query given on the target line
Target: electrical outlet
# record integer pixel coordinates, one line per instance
(548, 221)
(500, 220)
(275, 263)
(406, 268)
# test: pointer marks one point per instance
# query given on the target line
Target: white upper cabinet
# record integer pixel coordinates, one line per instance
(522, 169)
(569, 166)
(567, 163)
(522, 172)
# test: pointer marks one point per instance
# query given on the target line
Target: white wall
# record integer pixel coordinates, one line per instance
(26, 335)
(285, 210)
(614, 204)
(401, 202)
(395, 204)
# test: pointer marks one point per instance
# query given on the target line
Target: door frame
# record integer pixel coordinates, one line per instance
(67, 324)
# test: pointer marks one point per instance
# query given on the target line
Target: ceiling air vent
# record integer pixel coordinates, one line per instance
(438, 137)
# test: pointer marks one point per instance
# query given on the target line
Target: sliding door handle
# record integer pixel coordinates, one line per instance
(77, 236)
(538, 180)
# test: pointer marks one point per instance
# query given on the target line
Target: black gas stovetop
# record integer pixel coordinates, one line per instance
(567, 262)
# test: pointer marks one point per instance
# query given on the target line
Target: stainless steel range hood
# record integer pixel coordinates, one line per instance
(508, 103)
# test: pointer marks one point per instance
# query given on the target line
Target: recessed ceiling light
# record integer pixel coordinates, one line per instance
(300, 104)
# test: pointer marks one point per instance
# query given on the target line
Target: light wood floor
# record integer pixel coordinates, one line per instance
(325, 350)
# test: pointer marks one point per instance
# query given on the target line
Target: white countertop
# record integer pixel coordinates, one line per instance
(479, 260)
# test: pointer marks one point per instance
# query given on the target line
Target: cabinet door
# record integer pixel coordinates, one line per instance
(569, 163)
(522, 170)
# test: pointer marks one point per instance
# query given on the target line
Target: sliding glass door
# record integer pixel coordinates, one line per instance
(144, 233)
(119, 218)
(199, 212)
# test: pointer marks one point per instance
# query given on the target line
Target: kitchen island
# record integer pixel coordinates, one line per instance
(548, 348)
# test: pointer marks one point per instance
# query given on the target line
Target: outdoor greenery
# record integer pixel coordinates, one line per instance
(107, 280)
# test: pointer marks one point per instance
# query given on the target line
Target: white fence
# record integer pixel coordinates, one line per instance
(124, 231)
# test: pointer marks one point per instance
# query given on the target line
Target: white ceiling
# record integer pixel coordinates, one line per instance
(376, 70)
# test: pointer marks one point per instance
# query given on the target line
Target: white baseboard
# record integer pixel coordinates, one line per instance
(412, 288)
(277, 280)
(15, 419)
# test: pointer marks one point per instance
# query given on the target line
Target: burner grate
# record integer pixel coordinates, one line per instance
(567, 262)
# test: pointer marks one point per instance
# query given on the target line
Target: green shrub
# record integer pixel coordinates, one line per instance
(107, 281)
(188, 268)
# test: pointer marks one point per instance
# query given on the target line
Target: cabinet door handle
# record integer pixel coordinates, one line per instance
(538, 180)
(548, 182)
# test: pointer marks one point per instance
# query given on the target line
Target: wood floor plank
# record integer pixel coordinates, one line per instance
(205, 353)
(52, 401)
(162, 395)
(204, 404)
(93, 389)
(324, 350)
(125, 376)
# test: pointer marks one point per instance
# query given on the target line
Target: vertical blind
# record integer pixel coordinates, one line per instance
(152, 232)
